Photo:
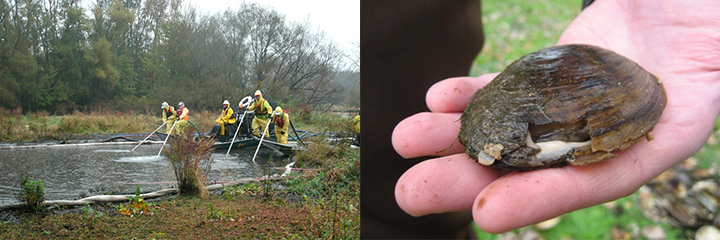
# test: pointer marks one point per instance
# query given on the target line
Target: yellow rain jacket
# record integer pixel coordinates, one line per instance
(183, 121)
(169, 117)
(225, 118)
(356, 124)
(282, 125)
(263, 107)
(262, 114)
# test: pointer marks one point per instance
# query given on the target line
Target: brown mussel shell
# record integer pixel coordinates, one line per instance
(568, 104)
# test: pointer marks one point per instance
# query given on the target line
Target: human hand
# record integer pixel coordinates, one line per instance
(677, 41)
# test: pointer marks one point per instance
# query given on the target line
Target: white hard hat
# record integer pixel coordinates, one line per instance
(181, 103)
(226, 102)
(164, 105)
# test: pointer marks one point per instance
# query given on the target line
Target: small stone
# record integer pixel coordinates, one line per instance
(548, 224)
(707, 233)
(619, 233)
(690, 163)
(610, 205)
(529, 234)
(508, 236)
(653, 232)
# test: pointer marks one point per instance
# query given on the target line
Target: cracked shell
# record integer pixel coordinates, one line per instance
(568, 104)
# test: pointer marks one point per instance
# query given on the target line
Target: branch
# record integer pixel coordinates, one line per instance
(123, 198)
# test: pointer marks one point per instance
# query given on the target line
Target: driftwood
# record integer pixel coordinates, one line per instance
(124, 198)
(297, 169)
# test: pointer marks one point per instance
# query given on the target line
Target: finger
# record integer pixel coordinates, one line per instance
(453, 94)
(442, 185)
(427, 134)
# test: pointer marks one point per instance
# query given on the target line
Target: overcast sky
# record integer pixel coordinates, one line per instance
(338, 19)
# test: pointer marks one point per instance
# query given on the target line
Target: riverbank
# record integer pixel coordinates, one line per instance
(322, 203)
(226, 216)
(16, 127)
(19, 128)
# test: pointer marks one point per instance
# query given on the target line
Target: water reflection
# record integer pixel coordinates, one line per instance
(76, 171)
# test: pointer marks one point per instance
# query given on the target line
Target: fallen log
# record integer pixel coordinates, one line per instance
(124, 198)
(297, 169)
(231, 183)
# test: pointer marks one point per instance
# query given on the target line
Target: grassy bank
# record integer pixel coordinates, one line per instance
(16, 127)
(237, 216)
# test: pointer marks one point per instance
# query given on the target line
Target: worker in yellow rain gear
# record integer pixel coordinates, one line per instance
(224, 122)
(169, 116)
(356, 122)
(356, 127)
(282, 124)
(262, 113)
(183, 118)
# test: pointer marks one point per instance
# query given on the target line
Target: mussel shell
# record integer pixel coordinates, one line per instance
(563, 92)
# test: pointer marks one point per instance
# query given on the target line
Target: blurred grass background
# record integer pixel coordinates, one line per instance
(514, 28)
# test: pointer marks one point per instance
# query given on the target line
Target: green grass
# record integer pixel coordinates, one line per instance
(709, 154)
(514, 28)
(213, 217)
(598, 222)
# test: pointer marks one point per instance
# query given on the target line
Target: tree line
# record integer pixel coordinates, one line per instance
(58, 56)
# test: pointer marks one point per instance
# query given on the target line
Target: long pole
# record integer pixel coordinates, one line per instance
(245, 101)
(141, 142)
(261, 139)
(236, 132)
(168, 136)
(298, 137)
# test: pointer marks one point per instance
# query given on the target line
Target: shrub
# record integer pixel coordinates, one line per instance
(190, 161)
(32, 193)
(136, 206)
(339, 171)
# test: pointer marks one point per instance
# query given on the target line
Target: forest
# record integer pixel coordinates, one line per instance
(60, 56)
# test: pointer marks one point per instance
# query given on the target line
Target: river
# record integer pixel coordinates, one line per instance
(73, 172)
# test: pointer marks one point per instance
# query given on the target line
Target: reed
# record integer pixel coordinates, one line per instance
(190, 161)
(40, 126)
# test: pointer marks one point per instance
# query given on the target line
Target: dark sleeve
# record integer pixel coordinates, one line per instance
(406, 47)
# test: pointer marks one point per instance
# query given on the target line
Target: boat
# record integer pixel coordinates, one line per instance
(250, 141)
(246, 139)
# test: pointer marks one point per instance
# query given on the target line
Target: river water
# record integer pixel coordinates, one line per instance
(74, 172)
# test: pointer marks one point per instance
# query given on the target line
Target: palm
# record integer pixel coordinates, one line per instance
(680, 53)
